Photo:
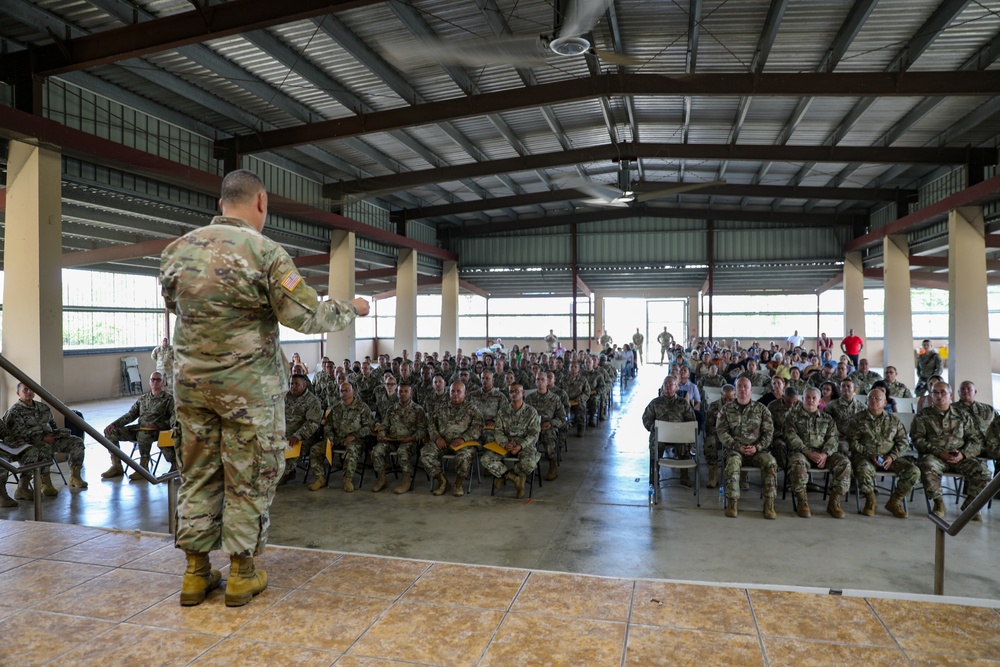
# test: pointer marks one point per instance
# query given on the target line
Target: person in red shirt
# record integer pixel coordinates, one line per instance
(851, 346)
(824, 343)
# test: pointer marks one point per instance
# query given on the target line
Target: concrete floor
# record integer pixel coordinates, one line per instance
(594, 519)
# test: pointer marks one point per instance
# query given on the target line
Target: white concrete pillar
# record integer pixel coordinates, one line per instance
(406, 303)
(32, 295)
(692, 323)
(898, 313)
(599, 324)
(968, 321)
(854, 296)
(341, 344)
(449, 306)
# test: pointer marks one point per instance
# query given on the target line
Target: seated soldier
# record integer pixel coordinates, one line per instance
(982, 413)
(552, 418)
(745, 430)
(711, 440)
(596, 405)
(449, 427)
(813, 443)
(864, 378)
(155, 412)
(824, 375)
(779, 411)
(385, 396)
(489, 400)
(517, 429)
(438, 395)
(303, 414)
(843, 408)
(348, 425)
(579, 393)
(325, 386)
(29, 424)
(757, 378)
(896, 388)
(795, 379)
(404, 430)
(669, 407)
(878, 442)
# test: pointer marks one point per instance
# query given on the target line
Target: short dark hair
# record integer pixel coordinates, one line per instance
(240, 187)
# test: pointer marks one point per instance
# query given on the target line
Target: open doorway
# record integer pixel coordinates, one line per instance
(660, 313)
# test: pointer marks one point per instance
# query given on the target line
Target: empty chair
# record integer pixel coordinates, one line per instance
(131, 380)
(674, 435)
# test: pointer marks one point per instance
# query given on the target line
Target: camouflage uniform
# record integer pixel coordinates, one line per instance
(898, 390)
(550, 409)
(163, 356)
(366, 388)
(842, 410)
(929, 363)
(711, 381)
(596, 400)
(383, 402)
(757, 378)
(520, 427)
(400, 422)
(450, 421)
(434, 401)
(155, 414)
(711, 436)
(779, 446)
(27, 425)
(934, 433)
(578, 390)
(489, 403)
(991, 446)
(740, 426)
(807, 432)
(665, 409)
(883, 435)
(327, 390)
(800, 385)
(355, 419)
(863, 380)
(229, 286)
(982, 414)
(302, 419)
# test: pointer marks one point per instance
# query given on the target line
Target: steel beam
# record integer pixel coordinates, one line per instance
(115, 253)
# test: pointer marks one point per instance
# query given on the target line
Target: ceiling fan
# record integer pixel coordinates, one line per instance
(574, 19)
(606, 195)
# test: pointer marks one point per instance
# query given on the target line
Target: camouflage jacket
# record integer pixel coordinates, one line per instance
(711, 420)
(661, 408)
(230, 287)
(711, 381)
(450, 421)
(25, 424)
(365, 388)
(842, 410)
(577, 387)
(302, 415)
(929, 363)
(405, 421)
(163, 357)
(779, 411)
(757, 378)
(742, 425)
(383, 401)
(489, 403)
(596, 379)
(563, 396)
(520, 427)
(877, 435)
(434, 401)
(982, 413)
(548, 406)
(898, 390)
(355, 419)
(934, 432)
(806, 432)
(863, 380)
(327, 390)
(151, 411)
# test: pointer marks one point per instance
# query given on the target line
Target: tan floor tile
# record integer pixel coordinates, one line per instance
(430, 634)
(211, 616)
(526, 639)
(291, 567)
(114, 596)
(39, 540)
(34, 638)
(242, 652)
(941, 628)
(799, 653)
(575, 595)
(130, 645)
(360, 661)
(10, 562)
(468, 586)
(947, 660)
(8, 611)
(112, 549)
(650, 646)
(8, 527)
(365, 575)
(171, 560)
(829, 618)
(43, 579)
(692, 607)
(314, 619)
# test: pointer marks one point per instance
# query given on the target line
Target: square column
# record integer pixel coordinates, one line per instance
(854, 295)
(406, 302)
(341, 344)
(968, 323)
(32, 298)
(449, 306)
(898, 312)
(599, 328)
(693, 314)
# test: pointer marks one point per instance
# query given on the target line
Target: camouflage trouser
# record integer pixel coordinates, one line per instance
(977, 475)
(353, 453)
(70, 445)
(494, 463)
(711, 450)
(594, 404)
(230, 470)
(548, 442)
(768, 472)
(779, 450)
(579, 412)
(405, 451)
(838, 465)
(168, 378)
(430, 459)
(142, 437)
(865, 472)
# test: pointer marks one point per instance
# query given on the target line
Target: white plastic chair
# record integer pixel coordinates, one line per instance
(673, 434)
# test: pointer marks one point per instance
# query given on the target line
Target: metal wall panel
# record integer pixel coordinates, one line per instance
(513, 251)
(778, 244)
(649, 247)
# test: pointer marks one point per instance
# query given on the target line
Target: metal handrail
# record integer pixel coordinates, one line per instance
(944, 528)
(36, 470)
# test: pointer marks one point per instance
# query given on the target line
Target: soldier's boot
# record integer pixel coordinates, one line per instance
(579, 431)
(244, 581)
(518, 485)
(380, 483)
(731, 507)
(23, 490)
(802, 504)
(144, 464)
(46, 485)
(833, 507)
(869, 509)
(713, 476)
(744, 481)
(318, 483)
(404, 486)
(459, 489)
(769, 512)
(75, 478)
(442, 484)
(685, 478)
(938, 507)
(553, 470)
(5, 500)
(115, 470)
(199, 579)
(348, 483)
(593, 420)
(895, 505)
(968, 501)
(499, 482)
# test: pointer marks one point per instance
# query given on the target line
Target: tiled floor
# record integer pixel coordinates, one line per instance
(84, 596)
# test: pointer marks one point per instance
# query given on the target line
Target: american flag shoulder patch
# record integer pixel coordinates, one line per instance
(291, 281)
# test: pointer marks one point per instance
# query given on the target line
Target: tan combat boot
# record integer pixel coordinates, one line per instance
(518, 485)
(731, 507)
(744, 481)
(137, 476)
(459, 489)
(5, 500)
(968, 501)
(23, 490)
(199, 579)
(380, 483)
(404, 486)
(499, 482)
(46, 485)
(244, 581)
(553, 470)
(802, 503)
(938, 507)
(833, 507)
(869, 509)
(685, 478)
(115, 470)
(318, 483)
(713, 476)
(579, 431)
(895, 505)
(442, 484)
(769, 512)
(75, 479)
(348, 484)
